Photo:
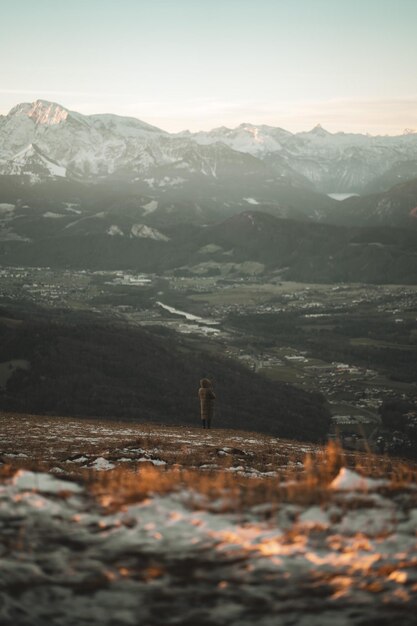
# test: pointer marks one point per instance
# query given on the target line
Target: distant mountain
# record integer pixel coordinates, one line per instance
(308, 252)
(63, 174)
(396, 207)
(96, 147)
(184, 179)
(400, 172)
(330, 162)
(255, 140)
(251, 243)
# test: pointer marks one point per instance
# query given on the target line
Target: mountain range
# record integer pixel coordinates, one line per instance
(251, 243)
(91, 147)
(104, 190)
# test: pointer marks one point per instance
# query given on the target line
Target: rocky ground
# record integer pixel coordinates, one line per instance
(110, 523)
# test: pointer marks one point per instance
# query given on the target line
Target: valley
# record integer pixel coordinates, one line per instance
(356, 344)
(283, 262)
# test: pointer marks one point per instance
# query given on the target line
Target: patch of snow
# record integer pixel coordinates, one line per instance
(153, 461)
(348, 480)
(114, 230)
(16, 456)
(384, 520)
(210, 248)
(314, 516)
(6, 208)
(101, 464)
(151, 206)
(80, 459)
(171, 182)
(25, 480)
(147, 232)
(251, 200)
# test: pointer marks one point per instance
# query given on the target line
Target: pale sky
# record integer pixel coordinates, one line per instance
(347, 64)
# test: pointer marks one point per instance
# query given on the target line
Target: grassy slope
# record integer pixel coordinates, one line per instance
(42, 442)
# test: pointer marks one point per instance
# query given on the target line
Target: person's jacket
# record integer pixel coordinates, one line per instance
(207, 398)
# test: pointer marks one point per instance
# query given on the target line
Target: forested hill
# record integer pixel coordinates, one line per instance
(83, 365)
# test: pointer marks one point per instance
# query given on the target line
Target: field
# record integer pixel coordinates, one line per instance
(117, 523)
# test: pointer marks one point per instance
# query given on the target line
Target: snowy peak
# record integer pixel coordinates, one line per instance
(44, 113)
(248, 138)
(41, 112)
(32, 162)
(319, 131)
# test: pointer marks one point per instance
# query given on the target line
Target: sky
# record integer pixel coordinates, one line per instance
(349, 65)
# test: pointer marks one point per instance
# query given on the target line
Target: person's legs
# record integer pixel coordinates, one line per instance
(203, 421)
(209, 422)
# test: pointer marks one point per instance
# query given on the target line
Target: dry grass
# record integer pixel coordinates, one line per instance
(53, 441)
(201, 464)
(224, 491)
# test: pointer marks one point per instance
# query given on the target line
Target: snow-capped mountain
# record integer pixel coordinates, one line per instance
(119, 172)
(94, 147)
(331, 161)
(88, 146)
(255, 140)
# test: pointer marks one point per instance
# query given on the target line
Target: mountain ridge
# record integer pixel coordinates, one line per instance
(251, 243)
(97, 146)
(119, 175)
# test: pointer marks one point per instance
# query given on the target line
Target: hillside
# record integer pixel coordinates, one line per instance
(82, 364)
(296, 250)
(319, 252)
(395, 207)
(110, 524)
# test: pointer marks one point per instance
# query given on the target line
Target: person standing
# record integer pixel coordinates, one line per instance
(207, 398)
